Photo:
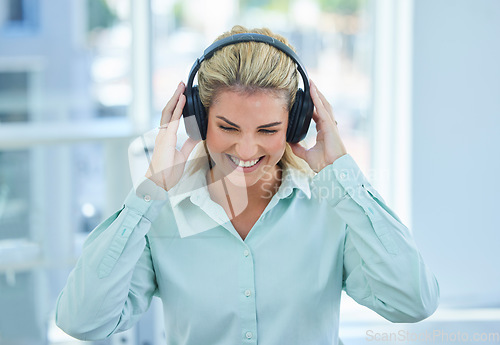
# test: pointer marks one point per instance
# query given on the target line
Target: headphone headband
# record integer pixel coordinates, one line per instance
(249, 37)
(301, 112)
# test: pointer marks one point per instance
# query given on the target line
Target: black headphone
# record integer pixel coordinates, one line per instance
(299, 116)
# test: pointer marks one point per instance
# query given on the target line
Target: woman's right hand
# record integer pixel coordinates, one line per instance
(167, 164)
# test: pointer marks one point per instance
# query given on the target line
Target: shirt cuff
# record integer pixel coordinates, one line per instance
(339, 179)
(147, 199)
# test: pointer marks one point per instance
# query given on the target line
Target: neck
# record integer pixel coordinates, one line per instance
(224, 192)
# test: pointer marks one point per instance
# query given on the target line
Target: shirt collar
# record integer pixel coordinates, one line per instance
(194, 186)
(293, 179)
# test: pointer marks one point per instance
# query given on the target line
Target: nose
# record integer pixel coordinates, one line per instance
(247, 147)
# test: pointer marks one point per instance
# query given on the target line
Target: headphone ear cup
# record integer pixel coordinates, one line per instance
(303, 116)
(200, 113)
(191, 122)
(294, 117)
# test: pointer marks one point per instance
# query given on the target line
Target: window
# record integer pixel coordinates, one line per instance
(15, 164)
(19, 16)
(64, 132)
(13, 96)
(14, 194)
(15, 11)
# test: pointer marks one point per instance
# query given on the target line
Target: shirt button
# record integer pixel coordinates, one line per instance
(248, 293)
(246, 252)
(248, 335)
(147, 198)
(343, 175)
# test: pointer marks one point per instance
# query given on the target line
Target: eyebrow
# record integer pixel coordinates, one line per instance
(272, 124)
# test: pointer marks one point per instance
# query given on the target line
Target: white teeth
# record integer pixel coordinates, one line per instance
(244, 164)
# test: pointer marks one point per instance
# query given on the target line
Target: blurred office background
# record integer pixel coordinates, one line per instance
(415, 86)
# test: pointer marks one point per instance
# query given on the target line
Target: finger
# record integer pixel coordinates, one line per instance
(328, 107)
(318, 103)
(173, 125)
(323, 99)
(320, 122)
(299, 150)
(320, 112)
(315, 116)
(325, 109)
(175, 97)
(166, 113)
(188, 146)
(168, 136)
(178, 108)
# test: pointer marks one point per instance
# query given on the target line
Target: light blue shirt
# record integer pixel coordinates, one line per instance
(281, 285)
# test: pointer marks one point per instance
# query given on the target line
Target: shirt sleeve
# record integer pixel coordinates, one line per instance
(113, 281)
(383, 269)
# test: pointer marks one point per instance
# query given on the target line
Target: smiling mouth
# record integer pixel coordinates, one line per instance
(244, 164)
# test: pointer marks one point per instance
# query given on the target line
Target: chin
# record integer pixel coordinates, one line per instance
(241, 180)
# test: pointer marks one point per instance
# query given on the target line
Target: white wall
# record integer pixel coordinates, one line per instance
(456, 146)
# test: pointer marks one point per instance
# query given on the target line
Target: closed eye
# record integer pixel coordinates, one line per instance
(268, 131)
(227, 129)
(233, 129)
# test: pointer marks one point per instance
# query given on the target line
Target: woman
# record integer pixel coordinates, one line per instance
(256, 244)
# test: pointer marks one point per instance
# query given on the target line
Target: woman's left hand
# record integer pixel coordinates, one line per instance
(329, 145)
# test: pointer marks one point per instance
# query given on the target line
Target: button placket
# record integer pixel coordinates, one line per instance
(246, 282)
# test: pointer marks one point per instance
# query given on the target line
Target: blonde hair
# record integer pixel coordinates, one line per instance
(250, 67)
